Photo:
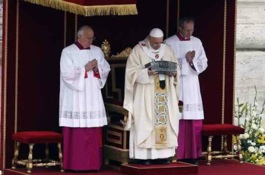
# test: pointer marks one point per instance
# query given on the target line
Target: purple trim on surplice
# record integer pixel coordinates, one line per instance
(182, 38)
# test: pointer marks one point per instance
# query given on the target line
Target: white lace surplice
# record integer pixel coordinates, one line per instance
(81, 103)
(190, 88)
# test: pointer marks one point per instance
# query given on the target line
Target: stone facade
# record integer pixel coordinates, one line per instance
(250, 50)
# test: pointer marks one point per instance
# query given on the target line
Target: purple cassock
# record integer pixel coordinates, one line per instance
(189, 139)
(82, 148)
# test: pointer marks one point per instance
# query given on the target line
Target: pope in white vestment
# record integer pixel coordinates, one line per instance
(193, 61)
(153, 109)
(83, 73)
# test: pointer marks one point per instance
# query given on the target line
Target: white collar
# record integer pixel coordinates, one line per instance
(156, 55)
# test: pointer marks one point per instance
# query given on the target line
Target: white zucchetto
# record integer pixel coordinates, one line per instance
(156, 33)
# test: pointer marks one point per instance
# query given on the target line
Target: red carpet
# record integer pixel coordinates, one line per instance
(43, 171)
(218, 167)
(230, 167)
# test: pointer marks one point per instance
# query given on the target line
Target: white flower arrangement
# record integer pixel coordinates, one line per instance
(249, 116)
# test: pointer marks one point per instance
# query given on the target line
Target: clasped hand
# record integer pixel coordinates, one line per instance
(151, 72)
(190, 55)
(93, 64)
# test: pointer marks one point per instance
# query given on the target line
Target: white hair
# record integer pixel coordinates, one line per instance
(80, 31)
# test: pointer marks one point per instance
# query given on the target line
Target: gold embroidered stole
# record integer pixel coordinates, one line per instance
(161, 115)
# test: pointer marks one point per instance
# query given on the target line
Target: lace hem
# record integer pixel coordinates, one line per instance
(192, 107)
(82, 115)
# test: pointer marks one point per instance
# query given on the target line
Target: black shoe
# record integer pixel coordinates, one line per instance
(191, 161)
(165, 161)
(145, 162)
(168, 161)
(194, 161)
(162, 161)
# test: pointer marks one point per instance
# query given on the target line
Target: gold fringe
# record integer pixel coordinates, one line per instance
(97, 10)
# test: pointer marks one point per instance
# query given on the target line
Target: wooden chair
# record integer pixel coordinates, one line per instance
(211, 130)
(37, 137)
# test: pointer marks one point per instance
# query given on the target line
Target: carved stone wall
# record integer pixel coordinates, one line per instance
(250, 50)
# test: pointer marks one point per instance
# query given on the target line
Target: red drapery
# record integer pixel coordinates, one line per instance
(91, 7)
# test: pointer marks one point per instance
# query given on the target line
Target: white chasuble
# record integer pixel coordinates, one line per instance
(81, 103)
(153, 114)
(191, 96)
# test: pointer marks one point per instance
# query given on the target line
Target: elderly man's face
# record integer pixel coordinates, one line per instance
(155, 43)
(187, 29)
(87, 37)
